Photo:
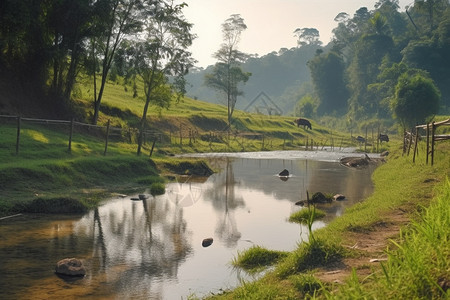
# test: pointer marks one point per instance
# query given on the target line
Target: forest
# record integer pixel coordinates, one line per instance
(382, 64)
(374, 55)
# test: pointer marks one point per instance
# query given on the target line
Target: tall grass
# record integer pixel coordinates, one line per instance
(418, 265)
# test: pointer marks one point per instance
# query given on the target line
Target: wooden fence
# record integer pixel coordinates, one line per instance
(182, 134)
(431, 138)
(106, 132)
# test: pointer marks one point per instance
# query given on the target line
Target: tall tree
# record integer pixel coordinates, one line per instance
(227, 73)
(162, 58)
(120, 18)
(307, 36)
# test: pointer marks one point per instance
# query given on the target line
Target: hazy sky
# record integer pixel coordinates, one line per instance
(270, 23)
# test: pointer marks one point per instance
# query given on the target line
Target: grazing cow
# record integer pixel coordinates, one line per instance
(303, 122)
(383, 138)
(360, 139)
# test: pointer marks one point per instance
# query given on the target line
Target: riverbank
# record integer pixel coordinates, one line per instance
(363, 254)
(75, 184)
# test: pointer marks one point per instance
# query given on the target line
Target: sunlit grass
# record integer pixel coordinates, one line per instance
(306, 215)
(257, 257)
(418, 264)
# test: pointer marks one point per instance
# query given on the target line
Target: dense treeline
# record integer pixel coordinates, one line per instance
(378, 58)
(356, 76)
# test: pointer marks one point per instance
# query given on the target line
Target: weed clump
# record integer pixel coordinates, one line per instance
(257, 257)
(303, 216)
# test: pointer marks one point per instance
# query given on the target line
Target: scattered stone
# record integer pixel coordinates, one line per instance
(284, 173)
(70, 267)
(317, 198)
(384, 153)
(320, 198)
(135, 198)
(207, 242)
(338, 197)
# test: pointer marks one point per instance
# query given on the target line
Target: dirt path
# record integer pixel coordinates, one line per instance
(369, 247)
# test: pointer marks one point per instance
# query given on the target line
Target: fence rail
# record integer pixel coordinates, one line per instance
(431, 138)
(183, 133)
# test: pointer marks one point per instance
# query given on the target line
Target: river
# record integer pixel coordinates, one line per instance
(152, 249)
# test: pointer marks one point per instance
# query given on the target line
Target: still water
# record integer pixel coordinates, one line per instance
(152, 249)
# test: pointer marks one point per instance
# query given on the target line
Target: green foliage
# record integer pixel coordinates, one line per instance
(307, 284)
(157, 188)
(227, 74)
(308, 256)
(256, 257)
(306, 107)
(417, 266)
(416, 100)
(327, 74)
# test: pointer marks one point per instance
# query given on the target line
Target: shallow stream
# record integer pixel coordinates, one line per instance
(152, 249)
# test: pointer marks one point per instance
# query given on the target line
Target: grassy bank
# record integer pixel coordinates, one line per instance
(405, 215)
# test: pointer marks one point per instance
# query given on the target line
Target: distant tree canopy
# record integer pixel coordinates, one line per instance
(378, 50)
(327, 73)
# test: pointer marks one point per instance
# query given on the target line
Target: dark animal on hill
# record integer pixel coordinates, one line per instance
(303, 122)
(383, 138)
(360, 139)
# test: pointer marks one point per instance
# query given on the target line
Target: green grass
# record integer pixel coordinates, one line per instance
(418, 264)
(306, 215)
(256, 258)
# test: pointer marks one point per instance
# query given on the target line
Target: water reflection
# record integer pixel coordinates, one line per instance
(151, 249)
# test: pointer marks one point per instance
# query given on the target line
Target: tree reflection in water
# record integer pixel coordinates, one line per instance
(224, 200)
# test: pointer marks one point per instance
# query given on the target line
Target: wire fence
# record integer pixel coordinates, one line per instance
(70, 134)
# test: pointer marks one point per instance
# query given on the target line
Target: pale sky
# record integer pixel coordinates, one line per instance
(270, 23)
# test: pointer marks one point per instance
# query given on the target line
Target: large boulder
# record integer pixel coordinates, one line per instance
(70, 267)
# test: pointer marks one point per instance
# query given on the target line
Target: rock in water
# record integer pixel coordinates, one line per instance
(207, 242)
(338, 197)
(284, 173)
(70, 267)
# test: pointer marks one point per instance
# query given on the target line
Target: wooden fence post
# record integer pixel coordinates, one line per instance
(365, 141)
(415, 144)
(181, 136)
(433, 127)
(106, 139)
(153, 146)
(378, 139)
(428, 141)
(18, 135)
(70, 135)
